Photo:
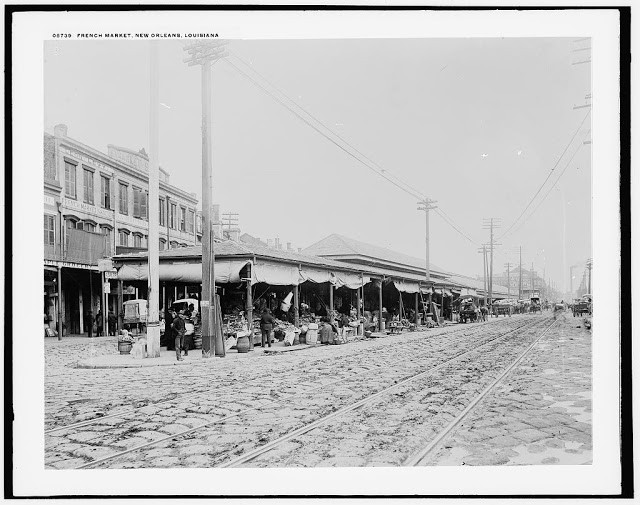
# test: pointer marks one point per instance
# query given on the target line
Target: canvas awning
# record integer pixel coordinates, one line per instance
(349, 280)
(315, 275)
(276, 274)
(226, 271)
(406, 286)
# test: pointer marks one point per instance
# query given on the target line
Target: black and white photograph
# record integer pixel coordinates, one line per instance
(328, 253)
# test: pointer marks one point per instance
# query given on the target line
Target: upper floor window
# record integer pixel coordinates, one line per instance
(69, 180)
(161, 244)
(105, 192)
(89, 226)
(172, 216)
(123, 238)
(140, 205)
(49, 230)
(123, 199)
(87, 182)
(137, 241)
(161, 212)
(183, 219)
(173, 244)
(190, 221)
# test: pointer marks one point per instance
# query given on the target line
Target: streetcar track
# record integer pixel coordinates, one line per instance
(97, 419)
(524, 327)
(417, 458)
(304, 429)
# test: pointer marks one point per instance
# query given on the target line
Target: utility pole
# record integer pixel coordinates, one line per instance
(532, 281)
(589, 267)
(483, 250)
(490, 224)
(426, 205)
(508, 265)
(205, 53)
(520, 277)
(153, 246)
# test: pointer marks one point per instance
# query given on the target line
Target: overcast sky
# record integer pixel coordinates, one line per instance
(426, 110)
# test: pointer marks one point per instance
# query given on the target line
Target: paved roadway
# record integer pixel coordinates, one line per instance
(215, 412)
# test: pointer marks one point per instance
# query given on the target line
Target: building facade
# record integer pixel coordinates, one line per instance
(96, 205)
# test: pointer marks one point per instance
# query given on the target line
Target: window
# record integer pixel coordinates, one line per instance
(137, 241)
(106, 232)
(190, 221)
(123, 238)
(89, 227)
(88, 186)
(172, 216)
(173, 245)
(69, 180)
(162, 244)
(71, 224)
(140, 206)
(49, 230)
(105, 192)
(123, 199)
(183, 219)
(162, 212)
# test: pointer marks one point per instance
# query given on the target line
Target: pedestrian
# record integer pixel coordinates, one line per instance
(111, 322)
(178, 330)
(88, 322)
(99, 323)
(266, 326)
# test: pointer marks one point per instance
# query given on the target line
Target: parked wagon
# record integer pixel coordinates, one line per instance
(582, 306)
(468, 311)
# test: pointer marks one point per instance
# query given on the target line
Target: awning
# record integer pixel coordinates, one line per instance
(349, 280)
(427, 291)
(468, 292)
(406, 286)
(315, 275)
(276, 275)
(226, 271)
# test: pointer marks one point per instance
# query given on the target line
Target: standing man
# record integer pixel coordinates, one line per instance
(266, 326)
(88, 322)
(99, 323)
(178, 329)
(111, 322)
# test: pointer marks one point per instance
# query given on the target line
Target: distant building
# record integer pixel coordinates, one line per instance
(96, 205)
(531, 282)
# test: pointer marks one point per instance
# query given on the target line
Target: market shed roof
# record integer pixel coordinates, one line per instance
(350, 250)
(230, 249)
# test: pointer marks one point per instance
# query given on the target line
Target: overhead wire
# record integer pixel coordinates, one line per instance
(385, 174)
(506, 232)
(551, 188)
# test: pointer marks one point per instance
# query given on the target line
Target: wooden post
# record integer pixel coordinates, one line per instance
(380, 304)
(296, 305)
(186, 294)
(249, 311)
(60, 308)
(105, 305)
(81, 305)
(358, 303)
(417, 315)
(120, 306)
(330, 301)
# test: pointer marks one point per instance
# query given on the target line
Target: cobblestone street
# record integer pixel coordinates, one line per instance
(373, 402)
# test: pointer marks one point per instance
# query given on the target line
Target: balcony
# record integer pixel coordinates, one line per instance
(81, 246)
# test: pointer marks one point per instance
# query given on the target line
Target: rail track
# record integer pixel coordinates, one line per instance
(414, 374)
(209, 390)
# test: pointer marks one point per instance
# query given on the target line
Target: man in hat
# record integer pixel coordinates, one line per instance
(178, 329)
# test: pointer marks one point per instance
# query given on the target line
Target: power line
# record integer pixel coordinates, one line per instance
(387, 175)
(399, 183)
(408, 190)
(550, 189)
(548, 176)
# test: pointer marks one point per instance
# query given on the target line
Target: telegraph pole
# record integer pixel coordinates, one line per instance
(508, 265)
(520, 277)
(589, 267)
(426, 205)
(153, 246)
(490, 224)
(205, 53)
(483, 250)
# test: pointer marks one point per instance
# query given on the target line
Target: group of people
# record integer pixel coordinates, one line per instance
(90, 320)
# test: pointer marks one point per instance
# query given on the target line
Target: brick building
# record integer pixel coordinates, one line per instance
(96, 205)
